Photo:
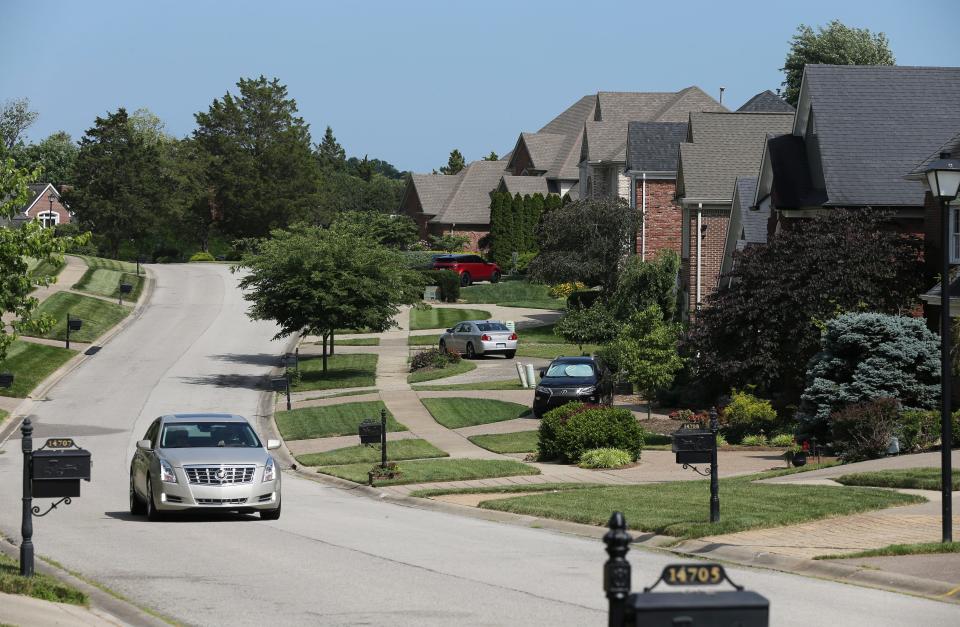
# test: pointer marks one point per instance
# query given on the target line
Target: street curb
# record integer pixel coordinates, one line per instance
(101, 602)
(43, 388)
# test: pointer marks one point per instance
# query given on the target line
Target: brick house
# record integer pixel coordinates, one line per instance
(719, 147)
(45, 206)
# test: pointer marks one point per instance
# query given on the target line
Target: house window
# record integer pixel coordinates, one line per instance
(955, 234)
(49, 219)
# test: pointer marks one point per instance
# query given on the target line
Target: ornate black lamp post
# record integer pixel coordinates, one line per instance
(942, 177)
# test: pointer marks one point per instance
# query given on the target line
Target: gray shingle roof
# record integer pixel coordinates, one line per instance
(543, 148)
(524, 185)
(876, 123)
(952, 147)
(570, 125)
(433, 190)
(753, 221)
(725, 146)
(604, 141)
(653, 146)
(470, 202)
(766, 102)
(793, 185)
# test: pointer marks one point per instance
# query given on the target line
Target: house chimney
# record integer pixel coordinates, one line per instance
(721, 94)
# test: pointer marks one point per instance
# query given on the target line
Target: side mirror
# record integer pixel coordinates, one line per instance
(543, 372)
(144, 445)
(272, 444)
(449, 330)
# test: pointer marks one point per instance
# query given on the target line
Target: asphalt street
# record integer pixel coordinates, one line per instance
(334, 557)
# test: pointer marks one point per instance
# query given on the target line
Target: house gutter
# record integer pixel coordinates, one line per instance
(643, 224)
(699, 238)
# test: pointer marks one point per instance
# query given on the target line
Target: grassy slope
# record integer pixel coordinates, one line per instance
(321, 422)
(454, 413)
(39, 586)
(430, 470)
(517, 442)
(396, 451)
(430, 374)
(30, 364)
(506, 489)
(104, 282)
(512, 294)
(506, 384)
(98, 316)
(913, 478)
(443, 318)
(343, 371)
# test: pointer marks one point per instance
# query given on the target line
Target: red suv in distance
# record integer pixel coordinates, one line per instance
(470, 268)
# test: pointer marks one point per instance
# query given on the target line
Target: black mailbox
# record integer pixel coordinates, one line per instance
(370, 431)
(125, 288)
(74, 324)
(57, 473)
(693, 446)
(727, 608)
(6, 379)
(279, 383)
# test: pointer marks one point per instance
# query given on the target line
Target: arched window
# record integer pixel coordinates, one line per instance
(49, 219)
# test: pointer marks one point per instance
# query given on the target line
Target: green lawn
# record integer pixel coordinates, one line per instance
(454, 413)
(681, 508)
(552, 351)
(46, 268)
(423, 340)
(512, 294)
(343, 371)
(30, 364)
(350, 393)
(396, 451)
(98, 316)
(104, 278)
(505, 384)
(110, 264)
(322, 422)
(357, 341)
(517, 442)
(540, 335)
(430, 374)
(506, 489)
(39, 586)
(3, 416)
(443, 318)
(431, 470)
(925, 548)
(913, 478)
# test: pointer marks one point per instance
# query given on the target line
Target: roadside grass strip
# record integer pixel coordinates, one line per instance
(40, 586)
(105, 281)
(681, 509)
(925, 548)
(43, 268)
(430, 374)
(343, 371)
(505, 489)
(98, 316)
(443, 318)
(910, 478)
(454, 413)
(356, 341)
(322, 422)
(110, 264)
(505, 384)
(432, 470)
(396, 451)
(350, 393)
(423, 340)
(3, 416)
(517, 442)
(512, 294)
(30, 364)
(552, 351)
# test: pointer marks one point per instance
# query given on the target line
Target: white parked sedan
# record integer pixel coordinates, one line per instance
(204, 461)
(480, 337)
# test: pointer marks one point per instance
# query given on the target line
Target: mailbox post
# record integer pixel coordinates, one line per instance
(26, 520)
(282, 384)
(125, 288)
(699, 446)
(373, 432)
(73, 324)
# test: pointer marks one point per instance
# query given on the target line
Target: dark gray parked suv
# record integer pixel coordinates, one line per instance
(584, 379)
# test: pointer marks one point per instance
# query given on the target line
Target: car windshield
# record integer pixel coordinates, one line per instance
(492, 326)
(208, 434)
(570, 370)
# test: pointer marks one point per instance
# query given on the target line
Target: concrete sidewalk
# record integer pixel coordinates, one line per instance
(16, 609)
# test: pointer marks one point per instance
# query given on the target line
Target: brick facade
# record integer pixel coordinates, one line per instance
(43, 206)
(713, 223)
(664, 217)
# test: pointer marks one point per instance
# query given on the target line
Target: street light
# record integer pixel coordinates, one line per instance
(942, 178)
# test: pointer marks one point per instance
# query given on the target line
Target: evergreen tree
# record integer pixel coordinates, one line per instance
(498, 228)
(330, 153)
(364, 169)
(534, 210)
(516, 224)
(454, 164)
(492, 157)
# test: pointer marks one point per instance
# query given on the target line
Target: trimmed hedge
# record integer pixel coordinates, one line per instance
(572, 429)
(605, 458)
(447, 282)
(201, 256)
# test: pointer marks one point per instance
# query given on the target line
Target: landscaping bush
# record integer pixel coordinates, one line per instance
(421, 259)
(582, 299)
(563, 290)
(433, 358)
(605, 458)
(523, 261)
(447, 282)
(747, 415)
(568, 431)
(919, 430)
(754, 440)
(201, 256)
(784, 439)
(863, 430)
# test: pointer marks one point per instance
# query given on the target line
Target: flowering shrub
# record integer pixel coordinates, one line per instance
(563, 290)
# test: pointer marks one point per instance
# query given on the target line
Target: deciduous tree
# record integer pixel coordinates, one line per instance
(590, 325)
(15, 118)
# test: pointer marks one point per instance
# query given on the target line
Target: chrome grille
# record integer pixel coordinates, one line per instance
(219, 475)
(221, 501)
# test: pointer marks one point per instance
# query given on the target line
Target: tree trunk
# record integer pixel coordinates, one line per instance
(331, 342)
(324, 351)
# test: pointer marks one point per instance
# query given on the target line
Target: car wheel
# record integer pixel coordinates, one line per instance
(152, 512)
(443, 346)
(495, 277)
(510, 354)
(465, 279)
(137, 506)
(271, 514)
(471, 354)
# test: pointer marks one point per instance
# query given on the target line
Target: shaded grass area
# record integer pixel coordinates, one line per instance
(506, 384)
(517, 442)
(357, 341)
(396, 451)
(104, 282)
(39, 586)
(512, 294)
(506, 489)
(454, 413)
(30, 364)
(430, 470)
(443, 318)
(540, 335)
(109, 264)
(680, 508)
(911, 478)
(552, 351)
(351, 393)
(430, 374)
(38, 268)
(423, 340)
(321, 422)
(343, 371)
(98, 316)
(925, 548)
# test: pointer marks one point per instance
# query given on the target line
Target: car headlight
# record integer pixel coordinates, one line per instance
(269, 470)
(166, 472)
(543, 390)
(587, 390)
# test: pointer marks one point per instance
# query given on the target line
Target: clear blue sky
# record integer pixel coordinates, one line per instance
(408, 81)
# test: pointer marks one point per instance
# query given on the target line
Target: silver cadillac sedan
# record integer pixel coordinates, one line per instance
(480, 337)
(204, 462)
